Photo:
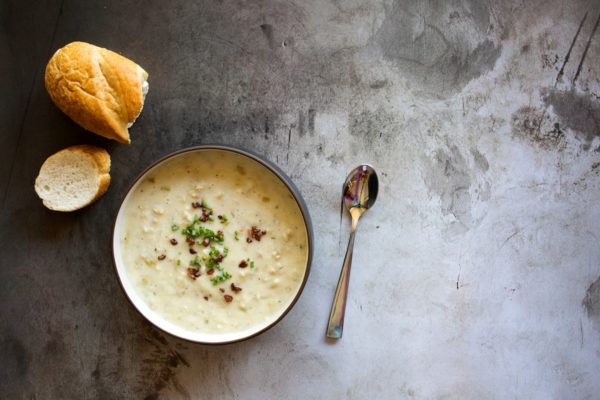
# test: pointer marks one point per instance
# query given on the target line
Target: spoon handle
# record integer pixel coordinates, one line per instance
(335, 326)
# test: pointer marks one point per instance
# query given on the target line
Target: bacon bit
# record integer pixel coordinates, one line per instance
(173, 241)
(236, 289)
(193, 273)
(255, 233)
(196, 204)
(243, 264)
(220, 217)
(206, 242)
(161, 257)
(192, 251)
(228, 298)
(206, 298)
(210, 271)
(219, 235)
(221, 290)
(190, 240)
(219, 258)
(206, 213)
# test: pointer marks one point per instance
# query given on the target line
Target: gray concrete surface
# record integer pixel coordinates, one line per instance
(477, 274)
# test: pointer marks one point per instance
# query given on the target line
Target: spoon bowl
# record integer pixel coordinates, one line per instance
(361, 187)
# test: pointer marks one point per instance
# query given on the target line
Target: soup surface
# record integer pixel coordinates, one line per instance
(214, 242)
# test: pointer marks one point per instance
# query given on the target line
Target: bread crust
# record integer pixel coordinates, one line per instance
(97, 88)
(102, 160)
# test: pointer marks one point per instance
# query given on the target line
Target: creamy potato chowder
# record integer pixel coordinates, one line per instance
(214, 242)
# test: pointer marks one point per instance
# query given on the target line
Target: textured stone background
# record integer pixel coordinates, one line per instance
(476, 275)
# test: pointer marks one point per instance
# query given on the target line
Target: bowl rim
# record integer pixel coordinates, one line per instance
(273, 168)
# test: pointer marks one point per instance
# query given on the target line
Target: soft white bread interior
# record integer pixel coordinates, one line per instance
(100, 90)
(73, 178)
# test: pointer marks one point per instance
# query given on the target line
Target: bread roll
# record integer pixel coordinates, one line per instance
(73, 178)
(97, 88)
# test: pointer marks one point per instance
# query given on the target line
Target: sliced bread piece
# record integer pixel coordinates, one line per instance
(73, 178)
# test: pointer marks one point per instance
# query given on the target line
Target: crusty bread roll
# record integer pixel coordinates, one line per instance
(73, 178)
(99, 89)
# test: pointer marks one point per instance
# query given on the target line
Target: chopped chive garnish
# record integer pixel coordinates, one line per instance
(222, 277)
(195, 230)
(195, 262)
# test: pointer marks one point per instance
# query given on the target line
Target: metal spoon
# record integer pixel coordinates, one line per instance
(359, 194)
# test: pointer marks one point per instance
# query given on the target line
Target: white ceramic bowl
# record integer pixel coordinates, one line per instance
(158, 320)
